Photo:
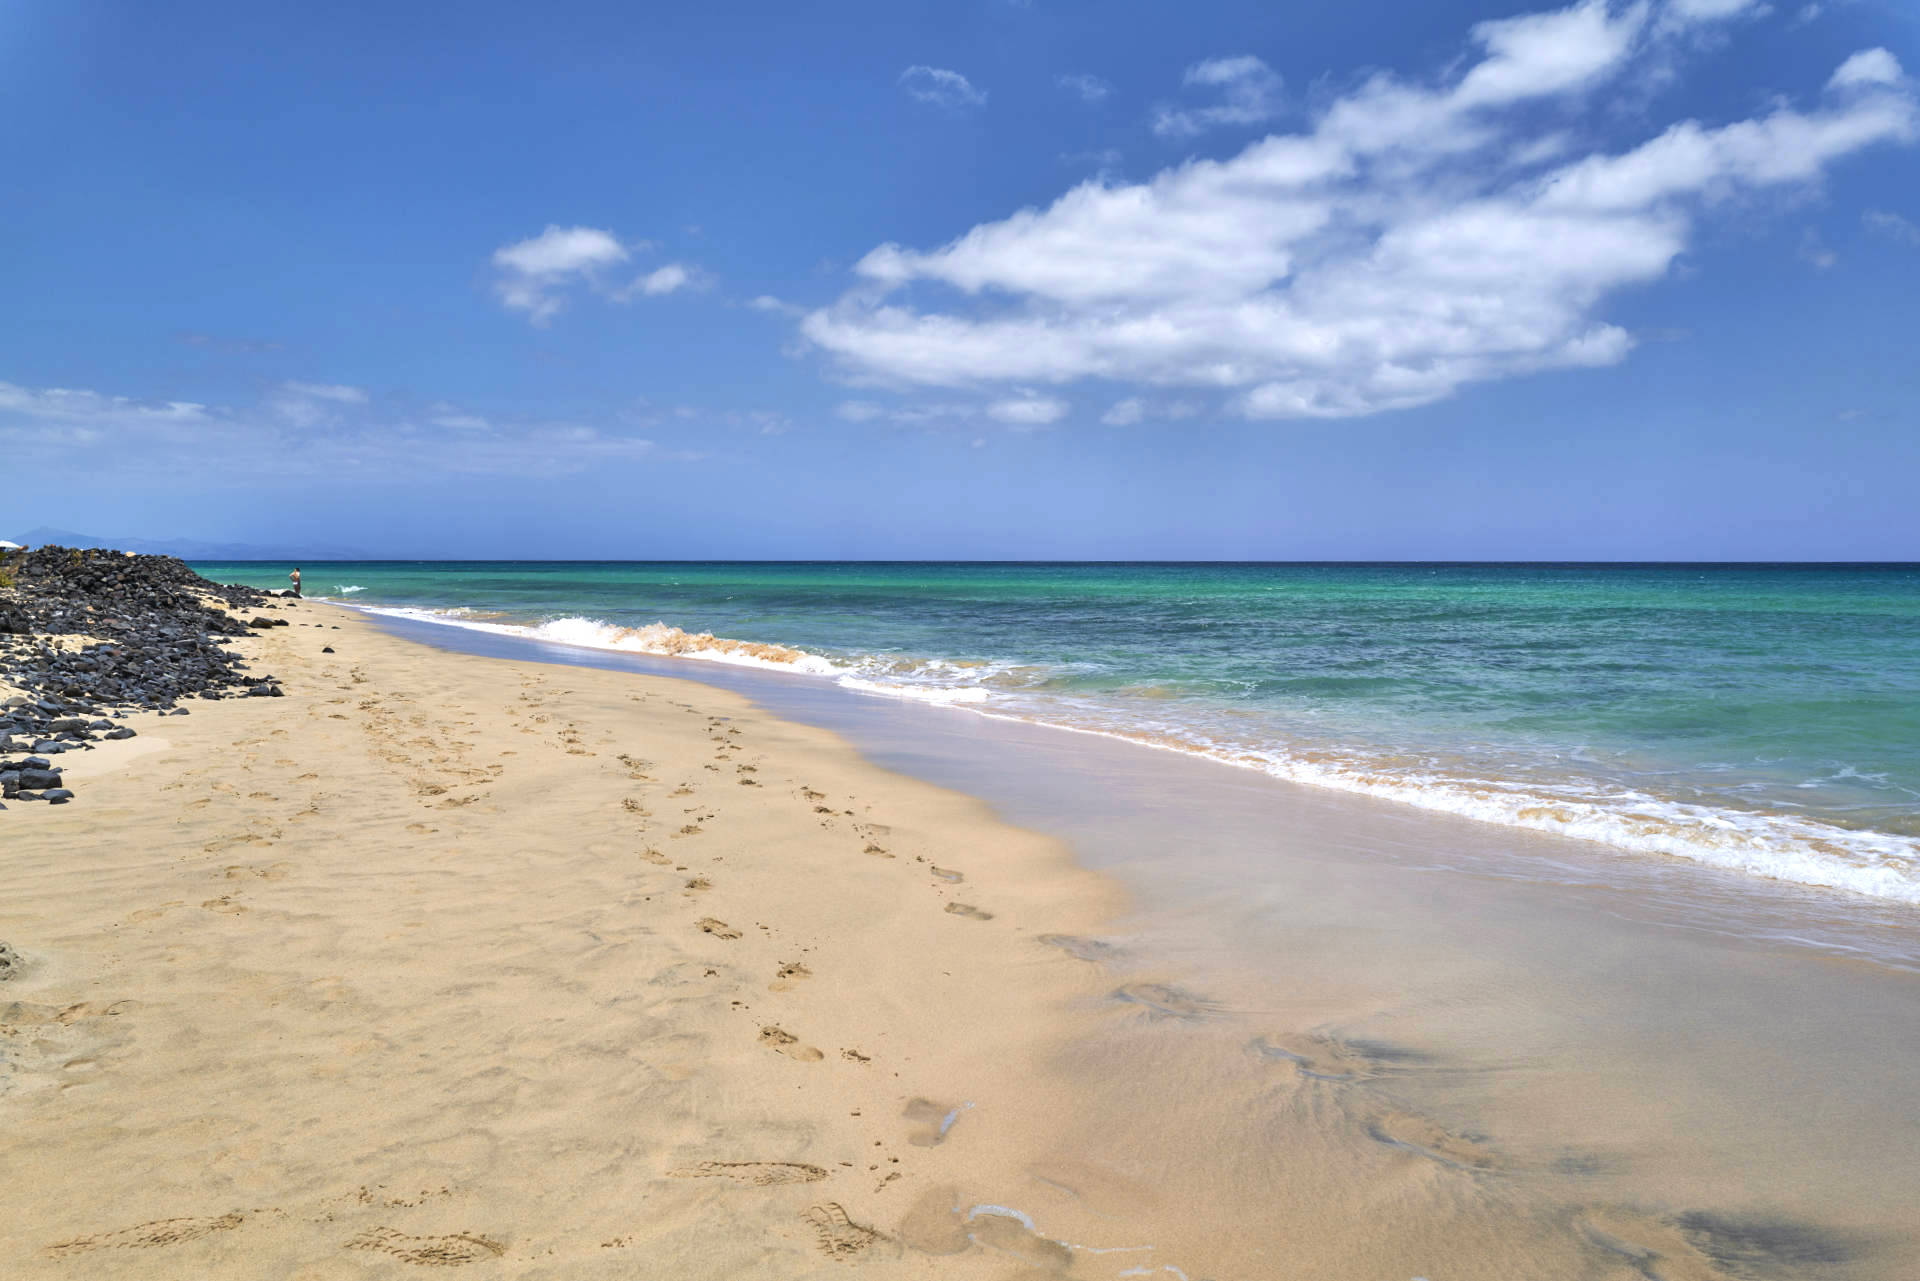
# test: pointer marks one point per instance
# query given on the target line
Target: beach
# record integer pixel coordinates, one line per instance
(543, 970)
(451, 961)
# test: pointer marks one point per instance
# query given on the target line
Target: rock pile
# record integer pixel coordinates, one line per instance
(156, 640)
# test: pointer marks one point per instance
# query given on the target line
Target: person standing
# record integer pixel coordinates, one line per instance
(295, 576)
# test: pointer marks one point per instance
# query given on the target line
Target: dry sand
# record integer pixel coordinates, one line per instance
(450, 961)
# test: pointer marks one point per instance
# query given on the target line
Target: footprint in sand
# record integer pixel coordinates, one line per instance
(1164, 1002)
(788, 975)
(946, 873)
(787, 1043)
(452, 1251)
(838, 1235)
(1421, 1137)
(876, 850)
(969, 911)
(270, 872)
(931, 1121)
(655, 856)
(1328, 1058)
(144, 1236)
(719, 929)
(697, 884)
(759, 1174)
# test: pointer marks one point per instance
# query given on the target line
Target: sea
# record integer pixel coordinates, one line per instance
(1758, 718)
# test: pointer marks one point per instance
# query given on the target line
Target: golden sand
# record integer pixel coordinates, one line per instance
(455, 962)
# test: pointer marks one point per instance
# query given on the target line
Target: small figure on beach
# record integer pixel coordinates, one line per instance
(295, 576)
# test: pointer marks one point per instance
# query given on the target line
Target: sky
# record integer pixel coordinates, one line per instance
(971, 279)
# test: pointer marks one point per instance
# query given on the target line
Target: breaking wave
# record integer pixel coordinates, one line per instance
(1779, 846)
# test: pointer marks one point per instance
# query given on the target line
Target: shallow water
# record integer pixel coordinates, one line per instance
(1422, 1045)
(1761, 718)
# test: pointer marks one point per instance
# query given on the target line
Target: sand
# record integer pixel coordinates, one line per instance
(447, 961)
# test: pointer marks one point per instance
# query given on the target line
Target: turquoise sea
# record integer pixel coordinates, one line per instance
(1758, 717)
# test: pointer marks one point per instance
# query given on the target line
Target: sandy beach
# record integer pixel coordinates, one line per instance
(450, 961)
(454, 960)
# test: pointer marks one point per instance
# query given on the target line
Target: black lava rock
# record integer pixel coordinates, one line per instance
(161, 634)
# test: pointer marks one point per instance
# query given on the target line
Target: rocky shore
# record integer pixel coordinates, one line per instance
(89, 637)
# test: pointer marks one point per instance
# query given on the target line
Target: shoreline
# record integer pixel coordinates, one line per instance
(479, 1026)
(1821, 852)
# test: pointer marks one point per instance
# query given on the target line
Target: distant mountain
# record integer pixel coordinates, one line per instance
(193, 549)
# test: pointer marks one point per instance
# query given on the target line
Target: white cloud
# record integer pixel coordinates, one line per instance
(1869, 67)
(1088, 88)
(1713, 10)
(767, 302)
(308, 428)
(1807, 14)
(664, 280)
(941, 88)
(1028, 411)
(535, 274)
(1249, 93)
(89, 411)
(1892, 224)
(1383, 257)
(560, 251)
(533, 271)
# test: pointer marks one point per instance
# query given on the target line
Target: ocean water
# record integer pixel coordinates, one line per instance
(1764, 718)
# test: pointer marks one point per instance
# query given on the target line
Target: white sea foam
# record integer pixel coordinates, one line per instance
(346, 589)
(942, 695)
(1781, 846)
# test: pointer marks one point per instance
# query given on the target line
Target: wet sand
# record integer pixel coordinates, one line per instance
(446, 960)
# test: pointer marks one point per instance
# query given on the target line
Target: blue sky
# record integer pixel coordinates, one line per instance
(968, 279)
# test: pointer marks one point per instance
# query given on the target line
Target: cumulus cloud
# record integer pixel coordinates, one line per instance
(535, 270)
(941, 87)
(535, 274)
(1087, 88)
(1248, 89)
(664, 280)
(1383, 257)
(1868, 68)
